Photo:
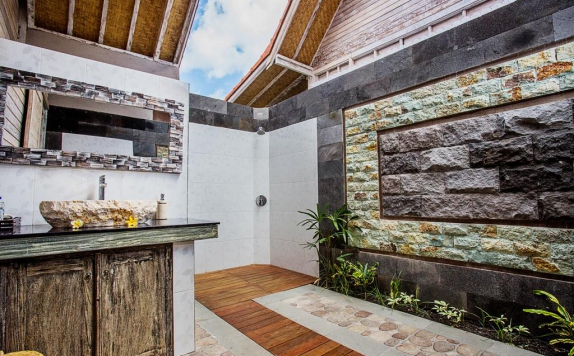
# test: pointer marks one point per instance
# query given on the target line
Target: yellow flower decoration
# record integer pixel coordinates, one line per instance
(76, 224)
(132, 222)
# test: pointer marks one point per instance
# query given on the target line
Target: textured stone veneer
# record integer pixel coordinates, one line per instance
(46, 157)
(516, 165)
(532, 248)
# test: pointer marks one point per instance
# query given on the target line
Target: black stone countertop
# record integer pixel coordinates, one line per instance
(43, 240)
(47, 230)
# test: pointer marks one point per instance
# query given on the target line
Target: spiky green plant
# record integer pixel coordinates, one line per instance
(563, 325)
(330, 229)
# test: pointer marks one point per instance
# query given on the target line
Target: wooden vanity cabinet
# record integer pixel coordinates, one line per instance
(105, 303)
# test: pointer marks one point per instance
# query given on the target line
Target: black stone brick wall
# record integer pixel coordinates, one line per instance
(516, 165)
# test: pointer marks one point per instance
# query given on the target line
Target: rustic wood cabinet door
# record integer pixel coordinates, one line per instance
(47, 306)
(134, 297)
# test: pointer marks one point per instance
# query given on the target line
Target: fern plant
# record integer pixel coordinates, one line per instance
(563, 325)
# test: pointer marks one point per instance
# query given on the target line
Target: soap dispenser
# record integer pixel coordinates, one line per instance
(161, 208)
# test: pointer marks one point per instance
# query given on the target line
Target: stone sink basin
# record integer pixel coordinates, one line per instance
(96, 213)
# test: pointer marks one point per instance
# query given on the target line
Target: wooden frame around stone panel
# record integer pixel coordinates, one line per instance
(90, 160)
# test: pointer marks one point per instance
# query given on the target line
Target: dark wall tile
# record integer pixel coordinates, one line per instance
(343, 99)
(330, 135)
(331, 192)
(208, 104)
(144, 149)
(287, 106)
(331, 169)
(331, 119)
(331, 152)
(523, 38)
(317, 108)
(563, 24)
(239, 110)
(395, 62)
(361, 76)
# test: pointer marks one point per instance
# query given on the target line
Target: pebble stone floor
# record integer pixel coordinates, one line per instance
(405, 338)
(207, 344)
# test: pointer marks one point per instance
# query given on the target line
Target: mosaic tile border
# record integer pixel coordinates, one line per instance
(76, 159)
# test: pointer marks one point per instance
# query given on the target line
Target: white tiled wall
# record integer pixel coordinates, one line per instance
(222, 173)
(293, 187)
(24, 187)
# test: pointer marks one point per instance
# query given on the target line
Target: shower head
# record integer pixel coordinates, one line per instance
(261, 130)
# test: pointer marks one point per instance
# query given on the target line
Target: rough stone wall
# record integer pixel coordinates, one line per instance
(516, 165)
(525, 149)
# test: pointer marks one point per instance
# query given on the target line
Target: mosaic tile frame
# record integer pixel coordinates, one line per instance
(90, 160)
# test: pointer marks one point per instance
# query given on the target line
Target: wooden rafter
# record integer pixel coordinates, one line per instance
(71, 9)
(190, 14)
(103, 21)
(31, 13)
(267, 87)
(292, 64)
(309, 24)
(133, 25)
(283, 31)
(161, 36)
(296, 82)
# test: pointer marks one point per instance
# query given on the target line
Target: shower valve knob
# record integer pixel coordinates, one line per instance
(261, 200)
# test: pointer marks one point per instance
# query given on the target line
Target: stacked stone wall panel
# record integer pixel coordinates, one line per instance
(513, 165)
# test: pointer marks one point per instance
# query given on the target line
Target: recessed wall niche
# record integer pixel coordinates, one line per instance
(511, 166)
(167, 156)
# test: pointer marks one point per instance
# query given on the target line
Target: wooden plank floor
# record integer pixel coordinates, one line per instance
(229, 293)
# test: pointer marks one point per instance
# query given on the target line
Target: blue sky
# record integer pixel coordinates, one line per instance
(227, 38)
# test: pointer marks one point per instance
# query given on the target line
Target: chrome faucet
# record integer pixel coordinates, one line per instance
(103, 186)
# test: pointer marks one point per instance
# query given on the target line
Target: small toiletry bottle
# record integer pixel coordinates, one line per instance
(161, 208)
(2, 207)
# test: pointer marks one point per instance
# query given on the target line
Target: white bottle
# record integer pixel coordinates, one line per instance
(2, 207)
(161, 209)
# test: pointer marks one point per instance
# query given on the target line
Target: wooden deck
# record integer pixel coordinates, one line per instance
(229, 293)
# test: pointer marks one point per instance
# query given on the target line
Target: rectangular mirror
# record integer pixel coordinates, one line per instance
(55, 122)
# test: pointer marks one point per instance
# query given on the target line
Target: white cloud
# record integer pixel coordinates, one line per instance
(218, 94)
(231, 35)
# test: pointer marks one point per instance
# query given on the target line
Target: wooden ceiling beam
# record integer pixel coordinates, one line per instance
(31, 13)
(190, 14)
(133, 25)
(293, 5)
(103, 21)
(292, 64)
(285, 91)
(164, 23)
(71, 9)
(262, 91)
(309, 24)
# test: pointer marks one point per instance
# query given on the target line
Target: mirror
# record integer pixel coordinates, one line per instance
(36, 119)
(56, 122)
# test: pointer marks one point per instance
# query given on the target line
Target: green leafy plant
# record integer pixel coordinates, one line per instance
(454, 314)
(563, 325)
(364, 277)
(332, 230)
(395, 286)
(408, 301)
(343, 270)
(505, 333)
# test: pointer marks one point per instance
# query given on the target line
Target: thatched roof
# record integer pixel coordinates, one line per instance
(281, 71)
(155, 29)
